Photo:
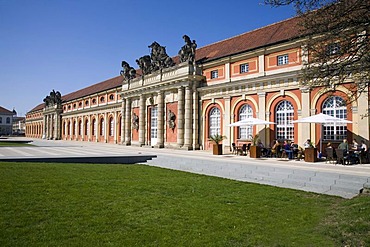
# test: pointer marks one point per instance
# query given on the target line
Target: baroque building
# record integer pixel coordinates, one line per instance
(179, 102)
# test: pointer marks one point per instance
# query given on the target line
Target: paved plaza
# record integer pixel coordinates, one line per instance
(319, 177)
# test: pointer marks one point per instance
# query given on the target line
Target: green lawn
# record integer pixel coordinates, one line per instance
(137, 205)
(13, 144)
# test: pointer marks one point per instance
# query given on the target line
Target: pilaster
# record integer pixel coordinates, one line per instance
(128, 122)
(188, 133)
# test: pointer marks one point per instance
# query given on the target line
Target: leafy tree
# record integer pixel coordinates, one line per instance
(337, 43)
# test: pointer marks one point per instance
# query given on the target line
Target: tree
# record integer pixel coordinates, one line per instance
(337, 43)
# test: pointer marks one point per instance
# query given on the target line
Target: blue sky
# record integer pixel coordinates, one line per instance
(67, 45)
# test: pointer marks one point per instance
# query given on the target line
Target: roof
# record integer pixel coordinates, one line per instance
(268, 35)
(5, 111)
(261, 37)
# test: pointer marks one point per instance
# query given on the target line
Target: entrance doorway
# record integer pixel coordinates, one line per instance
(154, 125)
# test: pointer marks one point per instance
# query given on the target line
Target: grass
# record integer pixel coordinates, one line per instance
(13, 144)
(137, 205)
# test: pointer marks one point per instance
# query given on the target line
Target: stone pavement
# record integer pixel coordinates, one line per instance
(330, 179)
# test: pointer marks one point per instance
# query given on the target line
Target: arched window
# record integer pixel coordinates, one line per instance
(111, 126)
(80, 127)
(87, 127)
(335, 106)
(102, 127)
(69, 128)
(94, 127)
(245, 132)
(8, 120)
(214, 121)
(74, 127)
(284, 118)
(64, 128)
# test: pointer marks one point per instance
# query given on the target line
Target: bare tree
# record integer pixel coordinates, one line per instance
(337, 43)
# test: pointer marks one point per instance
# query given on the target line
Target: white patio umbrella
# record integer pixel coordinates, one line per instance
(251, 121)
(320, 119)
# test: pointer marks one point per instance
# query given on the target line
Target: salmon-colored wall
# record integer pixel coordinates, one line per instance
(252, 64)
(294, 59)
(221, 74)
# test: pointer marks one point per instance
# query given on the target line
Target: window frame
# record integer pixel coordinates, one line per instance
(214, 124)
(284, 115)
(214, 74)
(283, 59)
(244, 68)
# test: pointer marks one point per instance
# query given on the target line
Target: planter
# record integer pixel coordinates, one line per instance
(217, 149)
(255, 152)
(310, 155)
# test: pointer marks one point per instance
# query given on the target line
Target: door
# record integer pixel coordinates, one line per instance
(154, 126)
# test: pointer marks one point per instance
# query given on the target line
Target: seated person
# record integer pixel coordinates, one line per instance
(287, 149)
(275, 149)
(263, 149)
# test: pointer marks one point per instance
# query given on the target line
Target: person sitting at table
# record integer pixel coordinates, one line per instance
(263, 149)
(294, 148)
(275, 149)
(300, 153)
(307, 144)
(287, 149)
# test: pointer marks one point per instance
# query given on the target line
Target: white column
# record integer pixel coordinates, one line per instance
(188, 133)
(180, 116)
(142, 114)
(160, 140)
(128, 122)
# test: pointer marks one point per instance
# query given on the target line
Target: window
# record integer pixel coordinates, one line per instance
(244, 68)
(1, 120)
(245, 132)
(94, 101)
(87, 127)
(284, 118)
(8, 120)
(86, 103)
(111, 97)
(214, 122)
(102, 99)
(94, 127)
(74, 106)
(80, 128)
(333, 49)
(74, 127)
(335, 106)
(102, 127)
(80, 104)
(154, 122)
(283, 59)
(111, 126)
(214, 74)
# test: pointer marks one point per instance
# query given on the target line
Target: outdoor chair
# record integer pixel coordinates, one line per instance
(363, 157)
(342, 158)
(234, 148)
(329, 155)
(244, 149)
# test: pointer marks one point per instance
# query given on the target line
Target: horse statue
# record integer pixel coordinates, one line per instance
(187, 52)
(145, 64)
(128, 72)
(159, 57)
(55, 98)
